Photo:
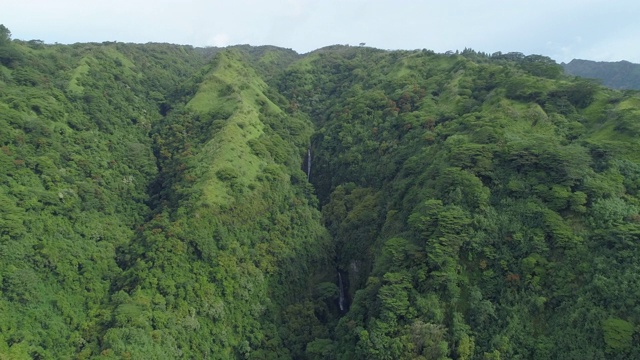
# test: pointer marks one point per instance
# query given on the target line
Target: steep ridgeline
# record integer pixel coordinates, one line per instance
(223, 268)
(482, 207)
(153, 207)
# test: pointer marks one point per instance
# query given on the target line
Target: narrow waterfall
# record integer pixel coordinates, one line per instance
(308, 163)
(341, 287)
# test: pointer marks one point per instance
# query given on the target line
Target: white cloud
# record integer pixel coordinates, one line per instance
(295, 8)
(219, 40)
(613, 49)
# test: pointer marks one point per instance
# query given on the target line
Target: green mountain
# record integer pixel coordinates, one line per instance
(616, 75)
(165, 202)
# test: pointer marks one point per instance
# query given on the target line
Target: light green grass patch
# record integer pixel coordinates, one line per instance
(270, 57)
(117, 55)
(228, 151)
(81, 70)
(630, 103)
(621, 144)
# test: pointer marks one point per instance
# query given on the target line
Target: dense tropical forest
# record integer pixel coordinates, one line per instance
(160, 201)
(616, 75)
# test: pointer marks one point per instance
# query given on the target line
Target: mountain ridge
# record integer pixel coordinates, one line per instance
(157, 203)
(617, 75)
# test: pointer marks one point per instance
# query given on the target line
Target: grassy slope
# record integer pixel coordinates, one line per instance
(237, 248)
(235, 85)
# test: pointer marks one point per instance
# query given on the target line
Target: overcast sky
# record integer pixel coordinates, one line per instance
(604, 30)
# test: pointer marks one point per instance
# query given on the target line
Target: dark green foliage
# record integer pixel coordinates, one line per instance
(153, 205)
(73, 187)
(485, 178)
(617, 335)
(9, 54)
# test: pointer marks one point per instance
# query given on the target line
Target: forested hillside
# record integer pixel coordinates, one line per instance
(616, 75)
(165, 202)
(482, 207)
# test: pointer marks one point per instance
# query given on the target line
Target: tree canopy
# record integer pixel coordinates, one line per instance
(160, 201)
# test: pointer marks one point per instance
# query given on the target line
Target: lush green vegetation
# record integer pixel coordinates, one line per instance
(76, 164)
(459, 206)
(616, 75)
(482, 206)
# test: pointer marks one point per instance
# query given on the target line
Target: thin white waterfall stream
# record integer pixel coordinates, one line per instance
(308, 164)
(341, 287)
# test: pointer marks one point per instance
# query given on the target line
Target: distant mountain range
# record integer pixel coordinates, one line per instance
(617, 75)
